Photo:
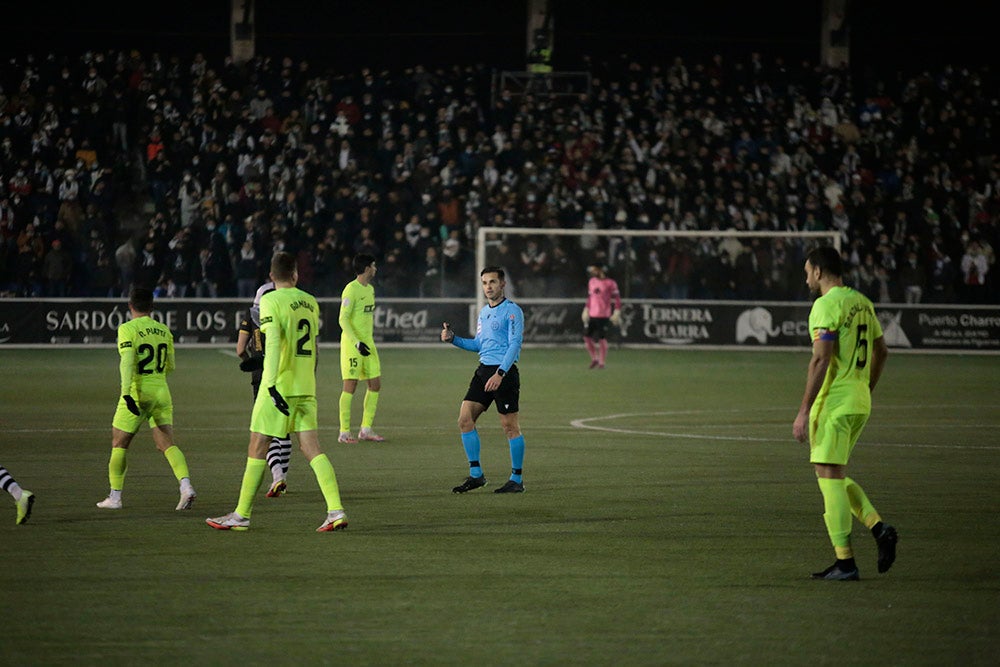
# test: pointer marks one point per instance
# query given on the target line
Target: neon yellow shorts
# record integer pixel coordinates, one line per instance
(355, 367)
(155, 406)
(832, 439)
(268, 420)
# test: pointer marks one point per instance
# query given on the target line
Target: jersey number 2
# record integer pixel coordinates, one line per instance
(300, 348)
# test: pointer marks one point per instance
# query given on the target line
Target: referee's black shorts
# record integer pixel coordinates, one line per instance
(506, 396)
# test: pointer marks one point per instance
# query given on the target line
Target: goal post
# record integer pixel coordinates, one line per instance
(564, 277)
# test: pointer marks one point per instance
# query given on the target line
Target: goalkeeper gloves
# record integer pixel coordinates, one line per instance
(616, 317)
(363, 348)
(252, 363)
(585, 316)
(278, 400)
(131, 405)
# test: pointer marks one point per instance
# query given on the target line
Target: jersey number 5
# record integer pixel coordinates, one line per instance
(861, 347)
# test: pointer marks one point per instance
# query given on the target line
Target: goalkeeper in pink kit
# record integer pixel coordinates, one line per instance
(604, 305)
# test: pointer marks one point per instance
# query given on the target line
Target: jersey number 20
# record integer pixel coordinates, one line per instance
(147, 355)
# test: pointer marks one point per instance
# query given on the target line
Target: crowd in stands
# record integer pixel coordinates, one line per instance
(236, 161)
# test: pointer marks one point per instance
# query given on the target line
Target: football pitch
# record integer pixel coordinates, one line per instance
(669, 518)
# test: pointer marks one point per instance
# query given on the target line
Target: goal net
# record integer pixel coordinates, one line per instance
(544, 263)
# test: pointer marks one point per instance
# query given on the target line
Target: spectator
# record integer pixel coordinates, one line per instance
(678, 271)
(942, 279)
(430, 273)
(125, 258)
(912, 278)
(70, 211)
(247, 271)
(975, 268)
(148, 265)
(180, 264)
(453, 266)
(190, 199)
(57, 268)
(533, 269)
(26, 272)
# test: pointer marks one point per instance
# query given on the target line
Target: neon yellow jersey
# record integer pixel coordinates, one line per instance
(357, 314)
(289, 320)
(848, 318)
(146, 348)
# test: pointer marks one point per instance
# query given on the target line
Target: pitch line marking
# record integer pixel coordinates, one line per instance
(584, 424)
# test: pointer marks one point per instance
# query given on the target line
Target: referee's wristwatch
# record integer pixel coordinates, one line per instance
(501, 372)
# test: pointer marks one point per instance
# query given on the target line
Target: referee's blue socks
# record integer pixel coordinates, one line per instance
(470, 441)
(517, 458)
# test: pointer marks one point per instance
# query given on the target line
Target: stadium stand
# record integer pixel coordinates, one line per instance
(185, 175)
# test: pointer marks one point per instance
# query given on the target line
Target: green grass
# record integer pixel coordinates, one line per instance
(680, 531)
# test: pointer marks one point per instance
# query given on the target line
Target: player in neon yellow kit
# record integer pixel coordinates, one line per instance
(146, 348)
(250, 350)
(358, 355)
(289, 320)
(849, 354)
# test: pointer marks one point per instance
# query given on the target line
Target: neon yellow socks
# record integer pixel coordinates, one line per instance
(345, 411)
(861, 507)
(327, 479)
(367, 417)
(117, 467)
(837, 515)
(175, 457)
(371, 403)
(252, 477)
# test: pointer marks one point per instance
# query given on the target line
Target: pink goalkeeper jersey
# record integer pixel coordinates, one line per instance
(601, 294)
